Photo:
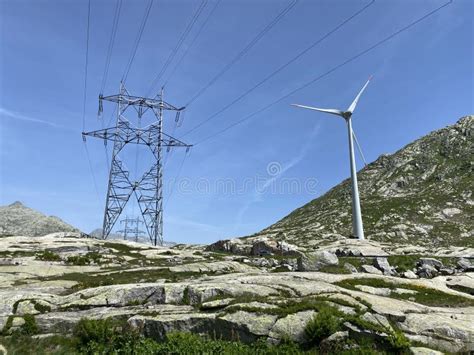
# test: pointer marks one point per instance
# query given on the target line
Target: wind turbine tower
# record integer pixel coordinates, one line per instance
(357, 226)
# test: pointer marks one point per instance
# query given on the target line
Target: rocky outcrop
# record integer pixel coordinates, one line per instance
(231, 297)
(255, 246)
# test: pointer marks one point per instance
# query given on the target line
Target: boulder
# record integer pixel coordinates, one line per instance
(427, 271)
(417, 350)
(245, 326)
(351, 268)
(291, 327)
(376, 319)
(332, 343)
(431, 262)
(156, 327)
(450, 212)
(446, 271)
(316, 260)
(234, 246)
(361, 335)
(267, 246)
(409, 275)
(371, 270)
(383, 265)
(465, 265)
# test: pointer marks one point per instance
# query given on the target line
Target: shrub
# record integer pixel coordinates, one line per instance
(109, 337)
(398, 341)
(86, 259)
(42, 308)
(186, 296)
(323, 324)
(98, 331)
(47, 255)
(30, 327)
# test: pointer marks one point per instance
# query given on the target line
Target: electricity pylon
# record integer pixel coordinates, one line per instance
(149, 189)
(357, 226)
(129, 228)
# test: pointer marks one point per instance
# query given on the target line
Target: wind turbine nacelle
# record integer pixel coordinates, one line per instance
(347, 115)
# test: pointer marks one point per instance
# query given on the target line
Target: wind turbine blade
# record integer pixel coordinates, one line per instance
(326, 110)
(359, 148)
(356, 100)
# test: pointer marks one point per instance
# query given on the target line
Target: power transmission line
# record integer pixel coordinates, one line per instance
(137, 40)
(178, 45)
(178, 174)
(351, 59)
(92, 171)
(118, 7)
(86, 66)
(271, 75)
(203, 25)
(244, 51)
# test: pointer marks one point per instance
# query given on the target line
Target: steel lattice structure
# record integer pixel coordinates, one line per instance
(149, 189)
(129, 228)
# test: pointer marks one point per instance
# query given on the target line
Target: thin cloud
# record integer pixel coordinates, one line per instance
(257, 195)
(189, 223)
(20, 117)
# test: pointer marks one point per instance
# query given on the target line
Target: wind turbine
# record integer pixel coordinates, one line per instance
(357, 226)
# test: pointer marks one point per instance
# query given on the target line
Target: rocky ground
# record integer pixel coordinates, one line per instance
(395, 296)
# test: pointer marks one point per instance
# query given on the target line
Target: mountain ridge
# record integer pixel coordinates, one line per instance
(18, 219)
(422, 193)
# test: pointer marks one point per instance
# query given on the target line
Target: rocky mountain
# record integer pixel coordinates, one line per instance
(422, 194)
(17, 219)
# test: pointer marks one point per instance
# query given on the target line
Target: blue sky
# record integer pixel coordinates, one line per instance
(423, 80)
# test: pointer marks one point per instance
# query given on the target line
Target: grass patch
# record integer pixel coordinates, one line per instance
(19, 344)
(290, 307)
(355, 261)
(461, 288)
(117, 278)
(426, 296)
(16, 254)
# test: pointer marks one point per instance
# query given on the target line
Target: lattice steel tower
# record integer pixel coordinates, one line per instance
(129, 228)
(149, 189)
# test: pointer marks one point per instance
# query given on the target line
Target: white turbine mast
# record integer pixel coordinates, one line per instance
(357, 226)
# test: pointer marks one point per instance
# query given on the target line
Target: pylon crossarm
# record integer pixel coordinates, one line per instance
(130, 100)
(126, 134)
